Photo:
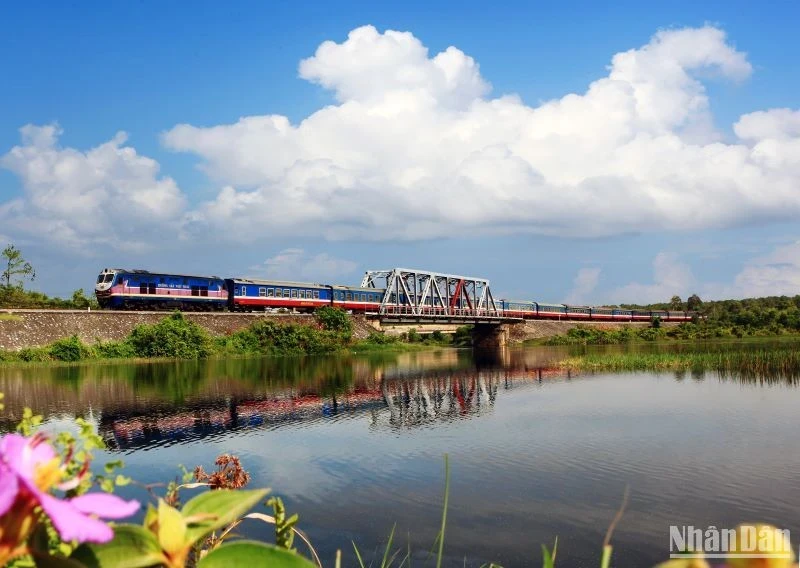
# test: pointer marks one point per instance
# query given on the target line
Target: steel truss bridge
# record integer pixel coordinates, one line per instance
(420, 295)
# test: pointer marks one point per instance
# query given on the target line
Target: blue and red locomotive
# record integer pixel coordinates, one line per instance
(121, 289)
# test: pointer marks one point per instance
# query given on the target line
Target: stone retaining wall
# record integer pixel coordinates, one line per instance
(32, 328)
(537, 329)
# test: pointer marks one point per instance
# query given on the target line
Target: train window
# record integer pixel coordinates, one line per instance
(294, 293)
(270, 292)
(363, 297)
(243, 290)
(302, 294)
(262, 292)
(286, 292)
(316, 294)
(308, 294)
(278, 292)
(349, 296)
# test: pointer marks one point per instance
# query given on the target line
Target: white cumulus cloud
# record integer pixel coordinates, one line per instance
(106, 195)
(671, 277)
(774, 274)
(583, 285)
(415, 147)
(297, 264)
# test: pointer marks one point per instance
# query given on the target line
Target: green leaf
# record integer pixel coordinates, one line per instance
(171, 529)
(549, 558)
(132, 547)
(215, 509)
(253, 554)
(112, 465)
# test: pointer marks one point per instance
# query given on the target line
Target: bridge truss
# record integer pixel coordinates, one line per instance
(425, 294)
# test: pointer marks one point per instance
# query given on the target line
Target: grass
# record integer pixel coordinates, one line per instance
(783, 361)
(10, 317)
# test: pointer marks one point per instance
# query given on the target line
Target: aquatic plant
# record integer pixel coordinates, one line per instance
(781, 361)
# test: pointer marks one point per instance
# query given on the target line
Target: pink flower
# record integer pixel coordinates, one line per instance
(29, 469)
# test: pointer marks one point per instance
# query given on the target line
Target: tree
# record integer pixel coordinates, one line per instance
(16, 266)
(79, 300)
(694, 302)
(676, 303)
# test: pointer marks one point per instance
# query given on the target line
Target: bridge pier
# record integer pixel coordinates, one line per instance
(490, 336)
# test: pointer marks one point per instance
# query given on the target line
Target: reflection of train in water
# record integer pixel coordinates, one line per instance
(395, 403)
(117, 288)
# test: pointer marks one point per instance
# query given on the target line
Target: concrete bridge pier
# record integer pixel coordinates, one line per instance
(490, 335)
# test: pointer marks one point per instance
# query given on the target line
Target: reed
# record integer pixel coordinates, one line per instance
(783, 362)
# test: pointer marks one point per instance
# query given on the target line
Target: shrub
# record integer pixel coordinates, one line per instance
(70, 349)
(377, 338)
(115, 350)
(463, 336)
(335, 319)
(8, 356)
(34, 354)
(265, 337)
(174, 336)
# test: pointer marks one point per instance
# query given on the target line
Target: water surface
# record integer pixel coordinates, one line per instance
(356, 444)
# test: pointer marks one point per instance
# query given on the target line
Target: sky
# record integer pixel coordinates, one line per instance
(580, 152)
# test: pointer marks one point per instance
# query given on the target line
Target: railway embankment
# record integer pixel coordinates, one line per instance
(540, 329)
(36, 328)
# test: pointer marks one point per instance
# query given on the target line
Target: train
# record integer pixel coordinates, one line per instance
(121, 289)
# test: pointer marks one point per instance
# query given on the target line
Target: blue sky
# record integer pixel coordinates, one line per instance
(526, 152)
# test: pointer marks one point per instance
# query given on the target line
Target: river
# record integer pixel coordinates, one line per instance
(355, 445)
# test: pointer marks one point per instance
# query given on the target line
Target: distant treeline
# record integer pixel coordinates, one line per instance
(775, 315)
(753, 316)
(14, 297)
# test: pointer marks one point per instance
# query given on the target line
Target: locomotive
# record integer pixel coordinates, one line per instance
(121, 289)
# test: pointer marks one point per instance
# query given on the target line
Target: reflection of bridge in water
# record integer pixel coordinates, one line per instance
(163, 403)
(391, 402)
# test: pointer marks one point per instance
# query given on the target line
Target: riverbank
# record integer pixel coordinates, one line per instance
(699, 331)
(177, 337)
